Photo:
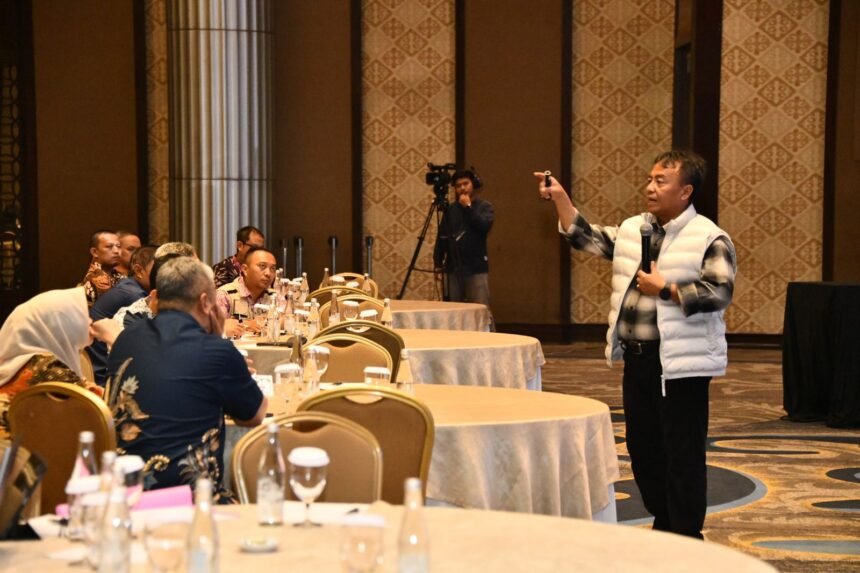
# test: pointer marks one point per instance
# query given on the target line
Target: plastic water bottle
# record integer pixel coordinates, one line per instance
(85, 465)
(412, 542)
(203, 536)
(387, 319)
(271, 480)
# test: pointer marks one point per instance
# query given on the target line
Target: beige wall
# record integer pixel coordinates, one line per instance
(85, 129)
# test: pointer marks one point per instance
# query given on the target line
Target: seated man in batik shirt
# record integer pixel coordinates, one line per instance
(230, 269)
(102, 274)
(174, 380)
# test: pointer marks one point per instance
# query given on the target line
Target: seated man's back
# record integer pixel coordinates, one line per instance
(174, 382)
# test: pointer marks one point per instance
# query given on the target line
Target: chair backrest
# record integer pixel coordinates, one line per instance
(323, 295)
(87, 367)
(385, 337)
(349, 355)
(349, 276)
(47, 418)
(355, 468)
(364, 301)
(403, 425)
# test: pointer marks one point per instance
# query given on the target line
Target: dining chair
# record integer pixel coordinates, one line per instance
(402, 424)
(364, 301)
(47, 419)
(349, 355)
(354, 473)
(385, 337)
(87, 367)
(323, 295)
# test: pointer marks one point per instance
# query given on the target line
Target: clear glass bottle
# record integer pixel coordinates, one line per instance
(314, 319)
(365, 285)
(405, 374)
(387, 319)
(304, 289)
(413, 541)
(296, 354)
(115, 541)
(326, 280)
(202, 547)
(333, 309)
(271, 480)
(85, 465)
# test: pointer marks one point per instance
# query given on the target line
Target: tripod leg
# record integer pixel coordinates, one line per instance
(417, 251)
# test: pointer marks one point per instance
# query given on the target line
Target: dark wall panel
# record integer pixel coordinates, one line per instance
(512, 111)
(85, 129)
(312, 194)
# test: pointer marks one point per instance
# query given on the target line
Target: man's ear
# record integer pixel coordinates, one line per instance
(686, 192)
(93, 252)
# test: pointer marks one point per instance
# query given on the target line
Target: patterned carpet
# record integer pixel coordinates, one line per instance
(784, 492)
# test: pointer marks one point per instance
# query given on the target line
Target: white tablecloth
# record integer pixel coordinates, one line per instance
(442, 315)
(460, 540)
(455, 357)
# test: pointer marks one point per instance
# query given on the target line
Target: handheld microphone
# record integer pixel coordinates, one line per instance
(645, 230)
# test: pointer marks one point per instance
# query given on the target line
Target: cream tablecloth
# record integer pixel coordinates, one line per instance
(455, 357)
(465, 541)
(514, 450)
(436, 314)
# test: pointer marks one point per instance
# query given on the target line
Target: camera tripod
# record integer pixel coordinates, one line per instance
(439, 206)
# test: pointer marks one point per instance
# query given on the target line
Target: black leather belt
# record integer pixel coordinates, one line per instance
(639, 347)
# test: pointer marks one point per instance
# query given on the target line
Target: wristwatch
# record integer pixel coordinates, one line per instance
(666, 292)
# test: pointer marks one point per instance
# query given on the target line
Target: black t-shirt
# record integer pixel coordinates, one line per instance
(461, 245)
(174, 383)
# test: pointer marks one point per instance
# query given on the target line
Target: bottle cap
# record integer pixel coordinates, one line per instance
(412, 484)
(308, 457)
(87, 437)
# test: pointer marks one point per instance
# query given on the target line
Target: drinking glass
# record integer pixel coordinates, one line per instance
(287, 382)
(320, 355)
(361, 544)
(165, 544)
(370, 314)
(261, 316)
(350, 310)
(132, 469)
(377, 375)
(308, 477)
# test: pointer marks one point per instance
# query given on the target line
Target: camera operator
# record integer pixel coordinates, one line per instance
(461, 244)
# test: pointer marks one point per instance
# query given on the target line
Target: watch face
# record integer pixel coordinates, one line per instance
(665, 293)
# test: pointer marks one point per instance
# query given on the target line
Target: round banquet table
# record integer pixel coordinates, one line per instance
(460, 541)
(437, 314)
(454, 357)
(514, 450)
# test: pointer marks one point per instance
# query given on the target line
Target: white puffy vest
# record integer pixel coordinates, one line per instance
(689, 345)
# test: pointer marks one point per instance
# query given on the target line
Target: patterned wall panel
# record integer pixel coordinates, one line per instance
(408, 99)
(156, 120)
(622, 118)
(774, 68)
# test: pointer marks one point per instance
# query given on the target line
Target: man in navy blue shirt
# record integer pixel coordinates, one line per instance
(126, 291)
(174, 379)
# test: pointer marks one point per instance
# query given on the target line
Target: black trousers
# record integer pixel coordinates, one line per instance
(666, 439)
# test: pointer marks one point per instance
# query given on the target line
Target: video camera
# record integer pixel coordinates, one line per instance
(439, 177)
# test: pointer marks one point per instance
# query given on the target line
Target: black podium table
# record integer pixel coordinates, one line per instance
(821, 353)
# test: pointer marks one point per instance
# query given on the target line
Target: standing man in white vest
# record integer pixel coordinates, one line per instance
(667, 325)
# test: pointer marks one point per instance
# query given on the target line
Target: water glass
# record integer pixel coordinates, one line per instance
(320, 355)
(287, 381)
(349, 309)
(369, 314)
(308, 477)
(377, 375)
(361, 542)
(165, 544)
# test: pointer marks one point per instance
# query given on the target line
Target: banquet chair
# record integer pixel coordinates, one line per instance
(403, 425)
(47, 418)
(349, 276)
(354, 472)
(323, 295)
(87, 367)
(364, 301)
(385, 337)
(349, 355)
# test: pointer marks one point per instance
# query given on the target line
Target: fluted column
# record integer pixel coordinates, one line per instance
(220, 54)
